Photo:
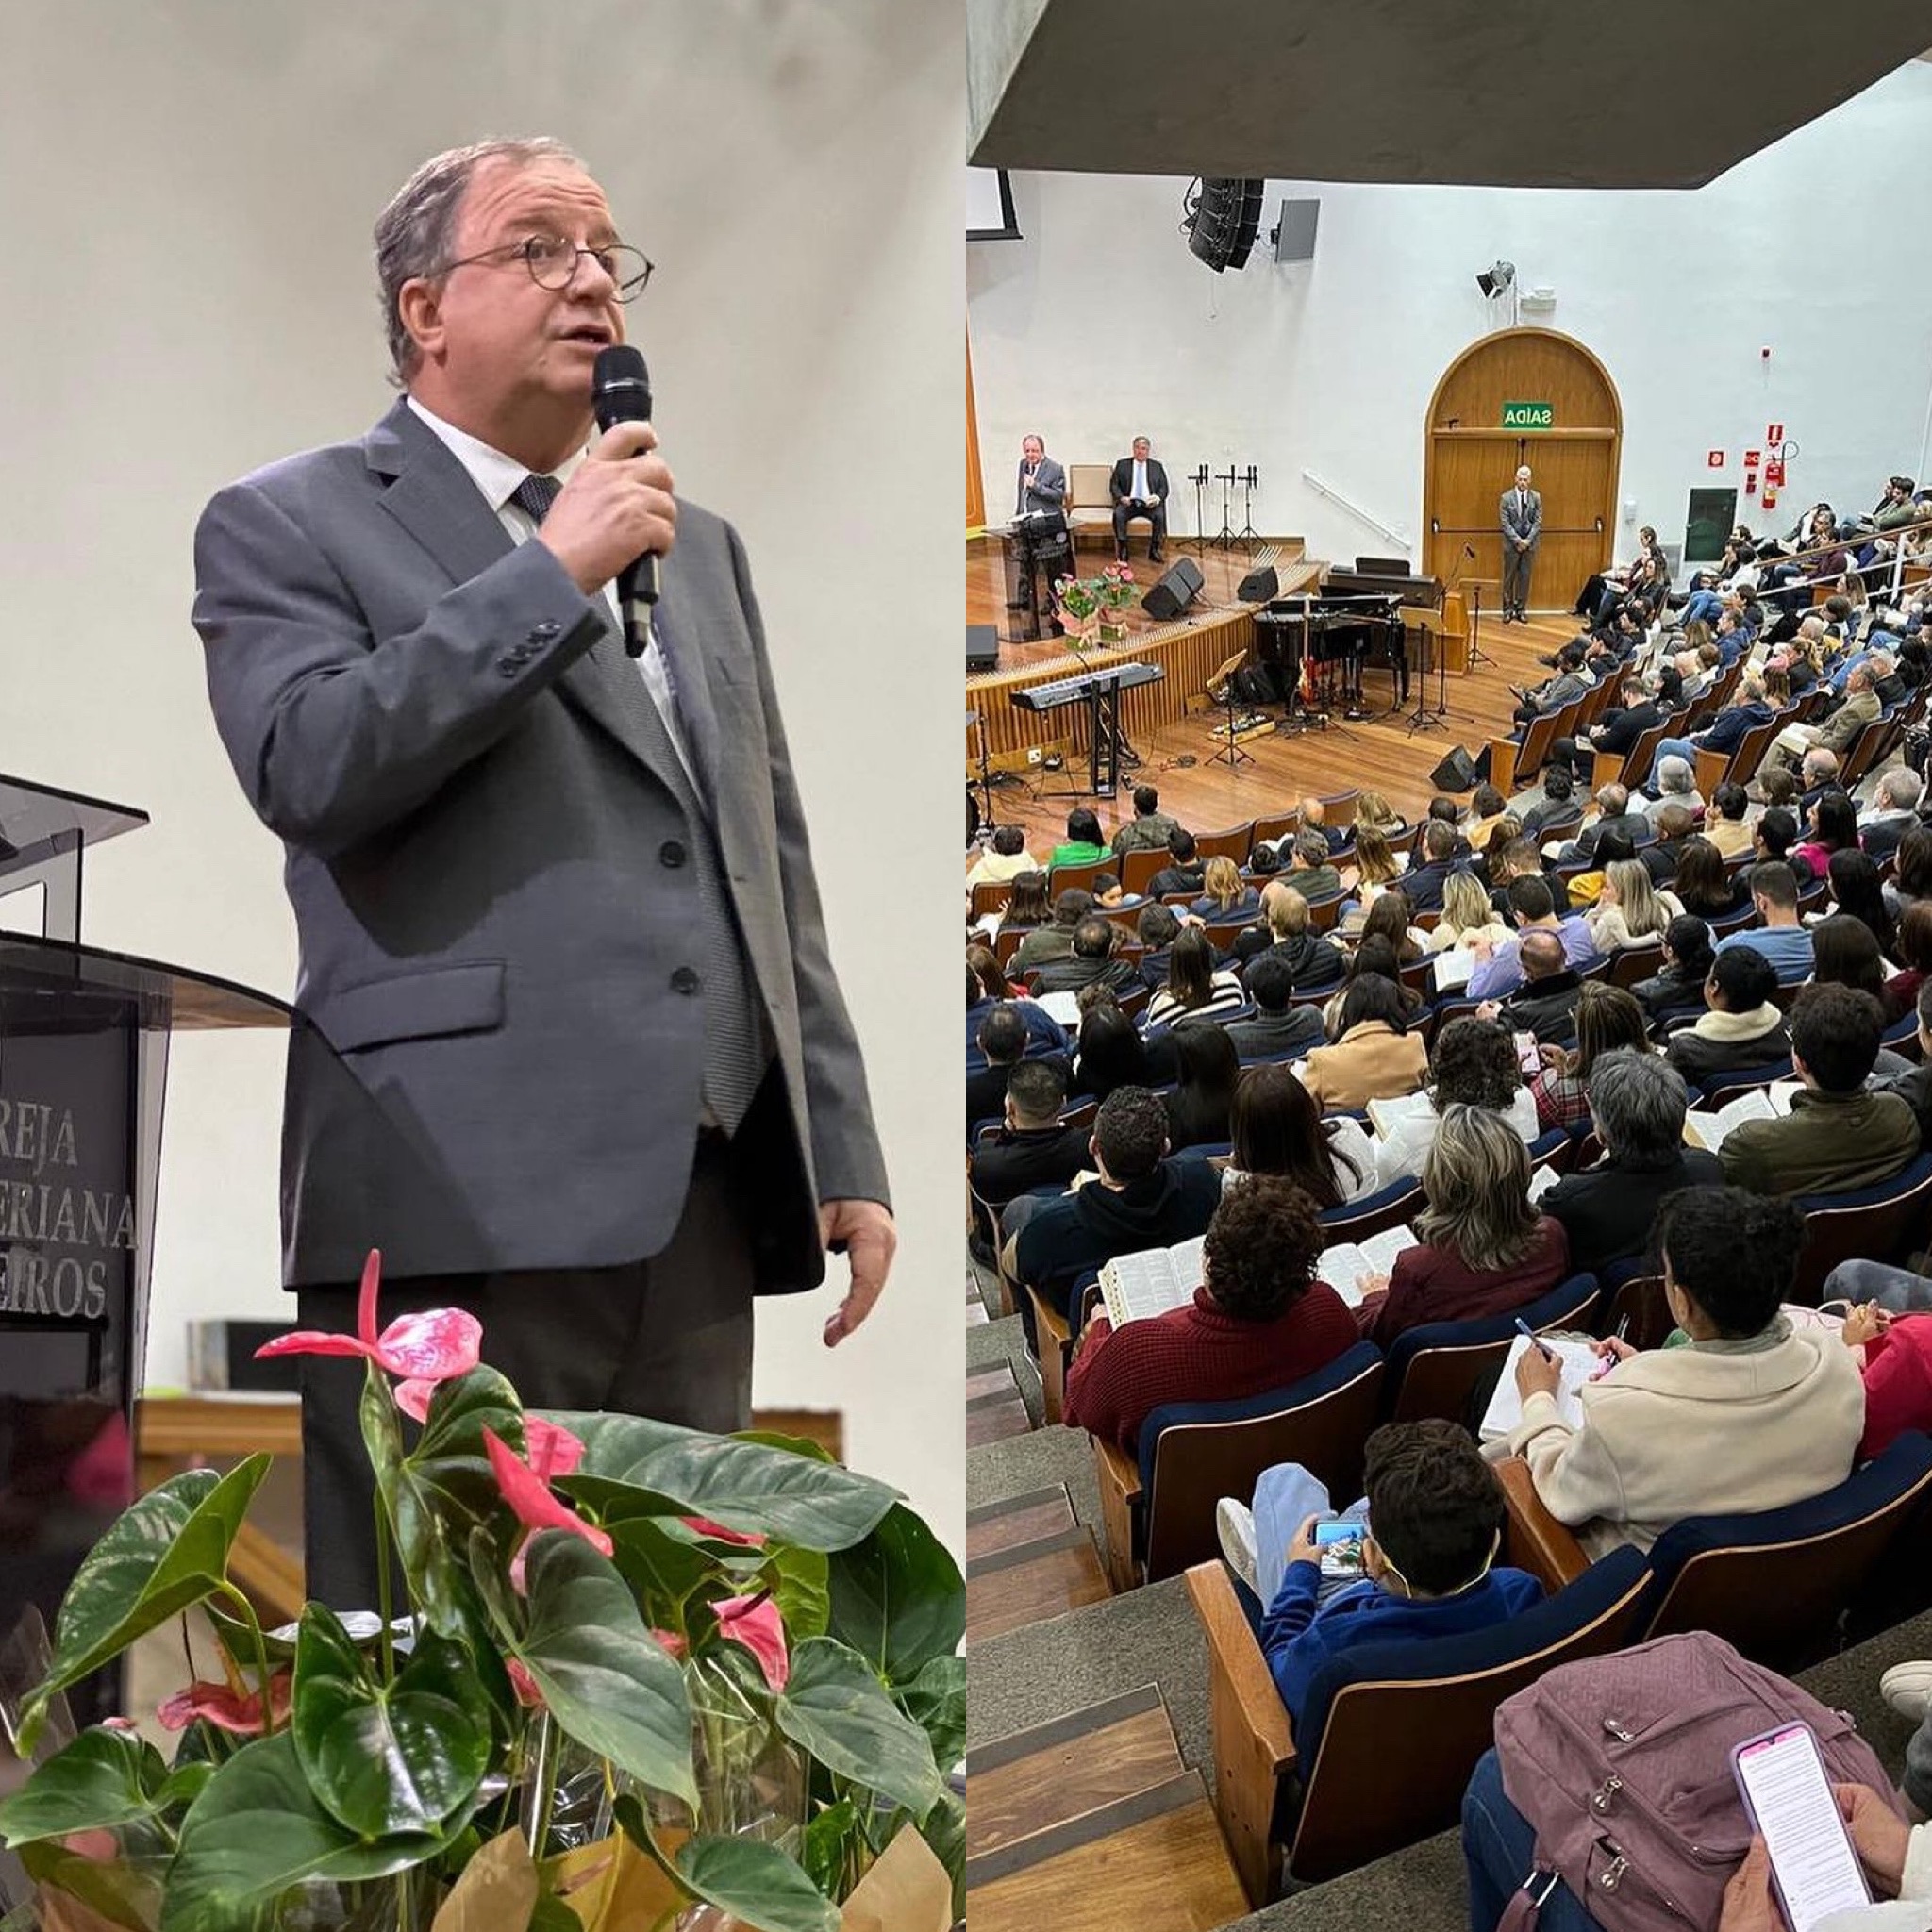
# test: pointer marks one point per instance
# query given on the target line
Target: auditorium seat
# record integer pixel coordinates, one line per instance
(1434, 1368)
(1883, 1222)
(1390, 1732)
(1159, 1507)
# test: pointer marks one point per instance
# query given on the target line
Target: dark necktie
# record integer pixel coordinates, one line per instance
(737, 1049)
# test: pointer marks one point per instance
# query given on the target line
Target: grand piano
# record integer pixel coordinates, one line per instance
(1356, 619)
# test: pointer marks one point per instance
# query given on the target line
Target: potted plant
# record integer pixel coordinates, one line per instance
(639, 1677)
(1091, 608)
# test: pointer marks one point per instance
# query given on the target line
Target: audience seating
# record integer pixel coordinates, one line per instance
(1886, 1220)
(1136, 868)
(1392, 1731)
(1636, 1306)
(1273, 828)
(1159, 1508)
(1235, 843)
(991, 895)
(1777, 1583)
(1435, 1369)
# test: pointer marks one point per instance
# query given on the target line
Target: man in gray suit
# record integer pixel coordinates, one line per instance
(1042, 481)
(574, 1056)
(1522, 512)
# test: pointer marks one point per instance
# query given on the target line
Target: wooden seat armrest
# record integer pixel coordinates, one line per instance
(1254, 1742)
(1119, 1478)
(1055, 1347)
(1503, 764)
(1534, 1540)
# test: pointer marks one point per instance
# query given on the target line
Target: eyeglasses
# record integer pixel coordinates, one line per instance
(553, 262)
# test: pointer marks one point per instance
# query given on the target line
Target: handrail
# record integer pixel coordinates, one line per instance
(1893, 535)
(1354, 508)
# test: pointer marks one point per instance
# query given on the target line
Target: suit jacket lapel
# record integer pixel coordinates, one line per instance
(697, 715)
(435, 499)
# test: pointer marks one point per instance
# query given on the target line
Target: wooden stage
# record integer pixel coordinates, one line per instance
(1178, 745)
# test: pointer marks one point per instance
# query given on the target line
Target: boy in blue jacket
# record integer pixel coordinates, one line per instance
(1435, 1523)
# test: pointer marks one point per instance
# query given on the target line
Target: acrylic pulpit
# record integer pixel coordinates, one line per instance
(84, 1037)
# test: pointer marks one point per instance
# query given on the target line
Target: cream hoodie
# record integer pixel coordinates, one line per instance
(1697, 1431)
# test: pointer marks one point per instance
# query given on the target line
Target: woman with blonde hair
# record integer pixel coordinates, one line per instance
(1224, 892)
(1482, 1248)
(1376, 868)
(1373, 813)
(1467, 915)
(1629, 909)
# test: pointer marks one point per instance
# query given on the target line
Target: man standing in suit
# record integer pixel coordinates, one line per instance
(1042, 481)
(1522, 523)
(572, 1051)
(1139, 488)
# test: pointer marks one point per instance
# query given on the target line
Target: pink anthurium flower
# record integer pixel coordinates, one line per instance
(703, 1526)
(97, 1844)
(553, 1451)
(672, 1644)
(415, 1396)
(753, 1621)
(434, 1346)
(224, 1708)
(520, 1681)
(528, 1493)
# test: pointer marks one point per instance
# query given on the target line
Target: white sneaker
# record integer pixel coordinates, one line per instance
(1233, 1524)
(1907, 1687)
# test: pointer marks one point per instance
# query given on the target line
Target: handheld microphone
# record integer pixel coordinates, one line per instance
(620, 392)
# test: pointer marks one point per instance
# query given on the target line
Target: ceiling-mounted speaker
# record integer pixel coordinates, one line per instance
(1294, 233)
(1223, 221)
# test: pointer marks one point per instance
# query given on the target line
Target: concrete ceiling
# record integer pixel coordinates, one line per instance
(1517, 94)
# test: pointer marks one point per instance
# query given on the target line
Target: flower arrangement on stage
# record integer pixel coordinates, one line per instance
(644, 1678)
(1089, 606)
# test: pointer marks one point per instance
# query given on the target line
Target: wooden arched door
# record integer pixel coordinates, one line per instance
(1474, 439)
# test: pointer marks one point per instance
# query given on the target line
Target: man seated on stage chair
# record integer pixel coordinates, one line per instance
(1139, 489)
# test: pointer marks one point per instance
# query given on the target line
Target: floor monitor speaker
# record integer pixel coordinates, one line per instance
(1258, 585)
(1176, 590)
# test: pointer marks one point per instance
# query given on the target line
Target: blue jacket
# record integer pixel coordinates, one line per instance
(1726, 731)
(1299, 1638)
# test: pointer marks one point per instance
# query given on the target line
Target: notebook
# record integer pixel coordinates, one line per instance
(1581, 1356)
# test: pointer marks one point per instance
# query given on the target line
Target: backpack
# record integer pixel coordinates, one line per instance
(1621, 1766)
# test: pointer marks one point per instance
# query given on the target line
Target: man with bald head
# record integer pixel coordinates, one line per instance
(1522, 517)
(1545, 1003)
(572, 1052)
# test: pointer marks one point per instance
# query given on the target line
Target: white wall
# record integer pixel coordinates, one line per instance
(1100, 324)
(186, 292)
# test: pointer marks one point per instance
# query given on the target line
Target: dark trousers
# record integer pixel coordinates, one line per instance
(1155, 518)
(1517, 565)
(668, 1337)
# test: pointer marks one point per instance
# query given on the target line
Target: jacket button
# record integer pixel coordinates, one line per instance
(507, 667)
(685, 980)
(542, 633)
(671, 853)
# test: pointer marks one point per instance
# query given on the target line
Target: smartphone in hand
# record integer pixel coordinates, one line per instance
(1813, 1865)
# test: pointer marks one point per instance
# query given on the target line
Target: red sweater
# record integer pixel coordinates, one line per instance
(1433, 1285)
(1199, 1353)
(1898, 1382)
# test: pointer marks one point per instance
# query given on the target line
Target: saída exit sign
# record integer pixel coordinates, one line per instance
(1527, 416)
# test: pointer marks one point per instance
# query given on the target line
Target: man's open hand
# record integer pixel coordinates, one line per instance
(871, 1241)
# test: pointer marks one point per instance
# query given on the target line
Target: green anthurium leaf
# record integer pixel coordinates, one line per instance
(836, 1709)
(826, 1845)
(256, 1830)
(449, 1457)
(936, 1702)
(745, 1486)
(606, 1680)
(166, 1551)
(756, 1883)
(383, 1758)
(120, 1892)
(551, 1914)
(944, 1830)
(799, 1580)
(664, 1566)
(238, 1640)
(792, 1445)
(411, 1507)
(898, 1598)
(185, 1782)
(102, 1779)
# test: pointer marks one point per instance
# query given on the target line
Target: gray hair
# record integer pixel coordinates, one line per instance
(1475, 1177)
(1636, 1104)
(415, 233)
(1675, 775)
(1902, 786)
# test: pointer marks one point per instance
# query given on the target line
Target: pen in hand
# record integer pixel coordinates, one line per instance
(1525, 1329)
